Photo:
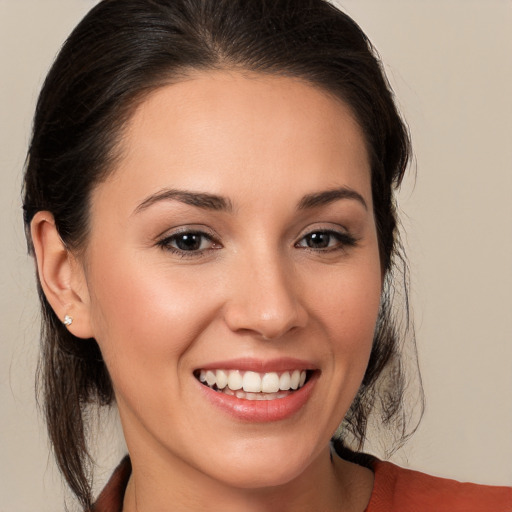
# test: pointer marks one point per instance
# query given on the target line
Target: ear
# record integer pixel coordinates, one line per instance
(61, 275)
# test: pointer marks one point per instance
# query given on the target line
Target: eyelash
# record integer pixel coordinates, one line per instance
(344, 240)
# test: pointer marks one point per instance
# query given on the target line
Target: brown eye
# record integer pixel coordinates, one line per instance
(188, 242)
(326, 240)
(320, 240)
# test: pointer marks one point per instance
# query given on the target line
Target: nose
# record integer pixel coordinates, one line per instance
(265, 299)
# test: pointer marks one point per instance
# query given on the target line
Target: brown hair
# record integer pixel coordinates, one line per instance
(122, 50)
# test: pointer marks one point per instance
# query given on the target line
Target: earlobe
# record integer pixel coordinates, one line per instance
(61, 276)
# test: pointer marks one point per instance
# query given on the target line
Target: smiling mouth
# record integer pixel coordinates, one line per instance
(248, 385)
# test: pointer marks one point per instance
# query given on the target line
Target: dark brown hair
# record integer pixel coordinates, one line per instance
(121, 51)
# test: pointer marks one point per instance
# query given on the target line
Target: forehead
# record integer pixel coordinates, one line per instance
(226, 132)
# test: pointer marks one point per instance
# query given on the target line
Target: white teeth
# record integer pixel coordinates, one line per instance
(252, 396)
(295, 379)
(258, 396)
(210, 378)
(252, 382)
(270, 382)
(222, 379)
(235, 381)
(284, 381)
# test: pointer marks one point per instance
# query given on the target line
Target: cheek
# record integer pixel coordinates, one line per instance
(141, 317)
(349, 305)
(348, 312)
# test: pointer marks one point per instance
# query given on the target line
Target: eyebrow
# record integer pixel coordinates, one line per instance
(329, 196)
(198, 199)
(218, 203)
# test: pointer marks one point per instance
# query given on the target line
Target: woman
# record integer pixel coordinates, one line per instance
(209, 189)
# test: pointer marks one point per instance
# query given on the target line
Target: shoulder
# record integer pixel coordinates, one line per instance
(396, 488)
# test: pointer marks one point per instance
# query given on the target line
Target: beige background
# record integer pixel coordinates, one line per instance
(450, 64)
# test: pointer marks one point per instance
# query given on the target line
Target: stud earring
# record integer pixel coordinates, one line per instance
(67, 320)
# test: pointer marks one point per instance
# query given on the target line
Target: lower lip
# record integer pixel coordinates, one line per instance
(261, 411)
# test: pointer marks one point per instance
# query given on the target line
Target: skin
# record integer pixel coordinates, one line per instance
(254, 289)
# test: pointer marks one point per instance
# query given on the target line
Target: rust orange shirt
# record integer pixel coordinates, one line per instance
(395, 490)
(404, 490)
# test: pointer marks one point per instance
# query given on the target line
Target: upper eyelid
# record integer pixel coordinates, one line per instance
(196, 233)
(339, 229)
(181, 230)
(344, 234)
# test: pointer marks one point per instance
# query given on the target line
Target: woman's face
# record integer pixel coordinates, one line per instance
(235, 241)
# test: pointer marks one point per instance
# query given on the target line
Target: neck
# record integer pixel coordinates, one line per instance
(328, 484)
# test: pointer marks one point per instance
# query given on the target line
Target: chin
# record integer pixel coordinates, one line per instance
(261, 476)
(262, 464)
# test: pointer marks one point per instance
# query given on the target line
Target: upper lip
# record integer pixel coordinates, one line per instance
(259, 365)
